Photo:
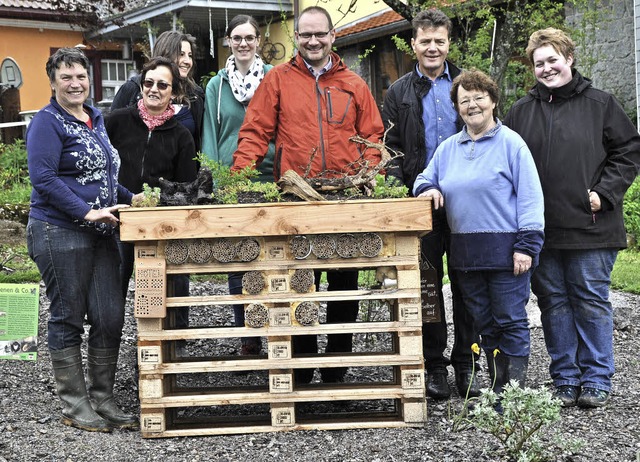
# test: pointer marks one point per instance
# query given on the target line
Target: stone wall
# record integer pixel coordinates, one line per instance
(612, 52)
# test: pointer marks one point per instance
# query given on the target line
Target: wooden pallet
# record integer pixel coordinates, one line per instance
(175, 403)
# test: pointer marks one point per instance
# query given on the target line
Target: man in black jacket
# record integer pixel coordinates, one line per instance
(420, 109)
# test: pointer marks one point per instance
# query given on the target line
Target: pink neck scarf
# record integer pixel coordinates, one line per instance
(153, 121)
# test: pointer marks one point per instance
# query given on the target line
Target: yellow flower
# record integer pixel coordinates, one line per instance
(475, 348)
(495, 352)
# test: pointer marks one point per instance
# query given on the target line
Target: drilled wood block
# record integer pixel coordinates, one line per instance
(256, 315)
(280, 382)
(306, 313)
(150, 294)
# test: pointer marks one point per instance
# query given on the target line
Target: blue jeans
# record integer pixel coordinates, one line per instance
(80, 272)
(497, 301)
(434, 334)
(572, 287)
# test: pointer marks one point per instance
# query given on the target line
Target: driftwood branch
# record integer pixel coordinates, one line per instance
(330, 181)
(293, 183)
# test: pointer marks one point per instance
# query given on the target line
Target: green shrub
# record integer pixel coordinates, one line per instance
(632, 212)
(527, 430)
(15, 187)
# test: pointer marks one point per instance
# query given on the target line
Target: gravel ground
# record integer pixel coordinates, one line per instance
(30, 430)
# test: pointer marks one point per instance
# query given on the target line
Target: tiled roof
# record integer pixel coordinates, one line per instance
(62, 6)
(386, 18)
(30, 4)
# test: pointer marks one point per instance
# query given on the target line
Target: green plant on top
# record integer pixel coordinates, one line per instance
(150, 198)
(389, 188)
(227, 185)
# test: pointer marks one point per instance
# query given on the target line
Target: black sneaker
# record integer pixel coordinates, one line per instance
(567, 394)
(592, 397)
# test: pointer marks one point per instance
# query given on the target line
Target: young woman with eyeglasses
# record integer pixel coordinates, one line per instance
(227, 96)
(152, 144)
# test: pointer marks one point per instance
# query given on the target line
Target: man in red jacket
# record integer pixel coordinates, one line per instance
(311, 106)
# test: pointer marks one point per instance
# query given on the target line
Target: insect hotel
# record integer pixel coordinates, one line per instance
(278, 246)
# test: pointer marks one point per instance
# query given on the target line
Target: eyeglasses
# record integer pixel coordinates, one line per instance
(237, 39)
(317, 35)
(148, 83)
(479, 100)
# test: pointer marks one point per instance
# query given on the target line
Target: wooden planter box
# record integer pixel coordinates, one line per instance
(276, 243)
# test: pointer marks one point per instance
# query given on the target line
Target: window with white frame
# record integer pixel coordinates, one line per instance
(115, 72)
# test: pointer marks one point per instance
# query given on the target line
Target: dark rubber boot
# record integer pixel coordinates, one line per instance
(517, 369)
(102, 364)
(72, 391)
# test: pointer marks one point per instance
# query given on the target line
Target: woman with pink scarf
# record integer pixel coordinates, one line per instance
(151, 142)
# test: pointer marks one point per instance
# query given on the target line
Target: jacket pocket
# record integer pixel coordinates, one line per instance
(338, 104)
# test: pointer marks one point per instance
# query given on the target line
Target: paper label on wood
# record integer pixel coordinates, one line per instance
(280, 383)
(279, 350)
(152, 423)
(409, 313)
(278, 283)
(282, 416)
(149, 355)
(412, 379)
(276, 251)
(280, 317)
(146, 251)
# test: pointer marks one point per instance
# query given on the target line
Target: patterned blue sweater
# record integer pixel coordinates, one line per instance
(72, 168)
(492, 195)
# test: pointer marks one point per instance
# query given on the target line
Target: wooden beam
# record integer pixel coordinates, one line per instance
(272, 219)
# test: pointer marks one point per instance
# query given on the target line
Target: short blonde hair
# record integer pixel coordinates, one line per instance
(555, 38)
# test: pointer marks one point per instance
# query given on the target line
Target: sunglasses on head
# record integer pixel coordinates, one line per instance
(148, 83)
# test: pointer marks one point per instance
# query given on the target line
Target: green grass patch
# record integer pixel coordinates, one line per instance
(625, 272)
(16, 267)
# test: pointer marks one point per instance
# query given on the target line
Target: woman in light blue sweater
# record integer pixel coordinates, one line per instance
(487, 180)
